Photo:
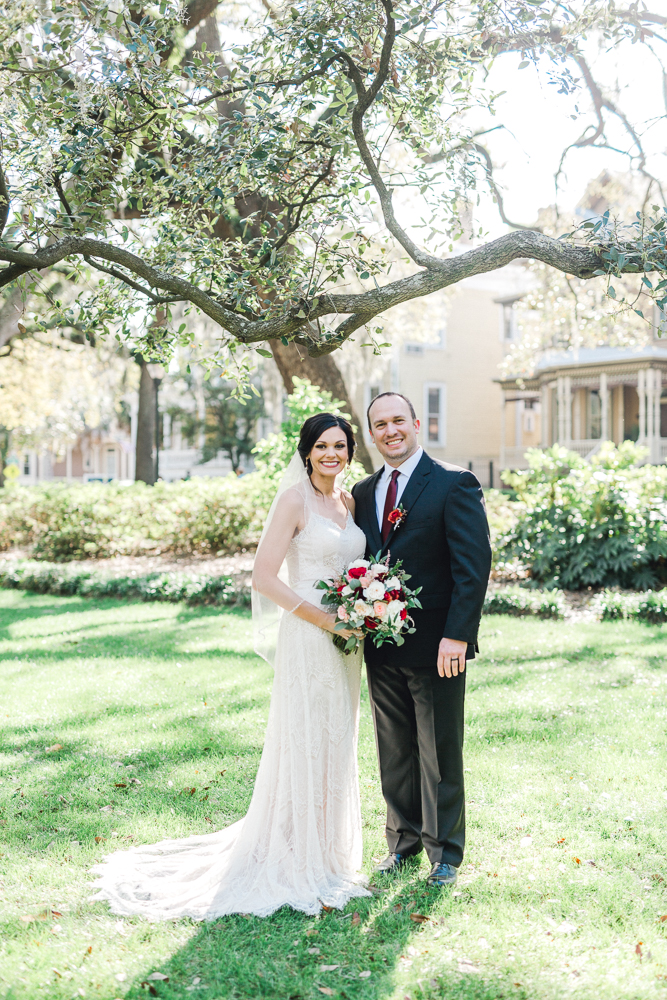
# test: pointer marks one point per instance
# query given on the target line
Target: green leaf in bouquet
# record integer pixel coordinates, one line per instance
(351, 644)
(354, 584)
(416, 603)
(323, 584)
(400, 640)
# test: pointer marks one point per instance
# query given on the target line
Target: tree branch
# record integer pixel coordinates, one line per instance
(364, 101)
(4, 200)
(580, 261)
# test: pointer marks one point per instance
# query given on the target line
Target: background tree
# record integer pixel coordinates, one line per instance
(229, 425)
(246, 187)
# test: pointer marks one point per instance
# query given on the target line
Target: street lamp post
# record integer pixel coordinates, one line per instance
(157, 373)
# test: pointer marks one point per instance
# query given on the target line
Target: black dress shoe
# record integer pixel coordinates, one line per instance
(442, 874)
(392, 863)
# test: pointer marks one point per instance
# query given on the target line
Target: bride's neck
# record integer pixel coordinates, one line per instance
(325, 484)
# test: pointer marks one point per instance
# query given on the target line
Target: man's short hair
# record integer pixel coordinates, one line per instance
(379, 396)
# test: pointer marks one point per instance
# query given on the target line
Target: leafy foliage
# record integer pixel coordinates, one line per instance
(62, 522)
(273, 453)
(230, 421)
(602, 524)
(68, 580)
(247, 183)
(650, 607)
(520, 603)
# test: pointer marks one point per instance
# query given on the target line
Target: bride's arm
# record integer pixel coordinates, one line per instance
(287, 518)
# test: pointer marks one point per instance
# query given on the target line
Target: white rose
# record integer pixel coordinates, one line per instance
(359, 562)
(394, 608)
(393, 583)
(374, 592)
(346, 591)
(362, 609)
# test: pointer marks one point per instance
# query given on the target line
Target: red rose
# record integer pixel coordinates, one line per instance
(403, 615)
(394, 515)
(340, 588)
(395, 595)
(356, 572)
(370, 624)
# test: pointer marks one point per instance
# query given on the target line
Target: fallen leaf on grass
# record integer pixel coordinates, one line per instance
(638, 950)
(208, 820)
(663, 918)
(54, 748)
(577, 861)
(328, 968)
(313, 951)
(158, 975)
(151, 989)
(120, 784)
(223, 772)
(398, 908)
(364, 975)
(59, 974)
(188, 791)
(419, 918)
(106, 809)
(327, 992)
(356, 919)
(561, 840)
(466, 965)
(100, 840)
(328, 909)
(134, 781)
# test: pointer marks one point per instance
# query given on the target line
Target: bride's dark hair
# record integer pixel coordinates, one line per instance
(312, 430)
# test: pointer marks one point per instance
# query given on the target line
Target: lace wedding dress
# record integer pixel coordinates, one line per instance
(300, 841)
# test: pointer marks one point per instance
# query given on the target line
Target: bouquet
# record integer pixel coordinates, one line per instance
(372, 597)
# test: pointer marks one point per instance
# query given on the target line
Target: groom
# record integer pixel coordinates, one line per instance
(417, 689)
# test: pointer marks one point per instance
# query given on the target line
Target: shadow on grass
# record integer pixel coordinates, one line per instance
(285, 956)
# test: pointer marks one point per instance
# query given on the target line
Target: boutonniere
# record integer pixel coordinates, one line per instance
(397, 516)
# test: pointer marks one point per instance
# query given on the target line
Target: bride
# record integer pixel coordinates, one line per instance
(300, 842)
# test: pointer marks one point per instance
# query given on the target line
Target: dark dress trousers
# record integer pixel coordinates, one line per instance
(444, 545)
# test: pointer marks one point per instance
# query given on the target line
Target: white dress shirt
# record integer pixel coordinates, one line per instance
(405, 471)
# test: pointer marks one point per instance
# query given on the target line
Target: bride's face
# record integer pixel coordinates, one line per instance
(329, 454)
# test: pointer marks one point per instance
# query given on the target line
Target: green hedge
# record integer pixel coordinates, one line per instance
(74, 521)
(649, 607)
(70, 580)
(520, 603)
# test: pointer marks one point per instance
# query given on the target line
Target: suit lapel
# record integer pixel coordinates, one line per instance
(368, 513)
(417, 482)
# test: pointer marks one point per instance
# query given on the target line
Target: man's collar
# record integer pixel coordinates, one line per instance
(408, 466)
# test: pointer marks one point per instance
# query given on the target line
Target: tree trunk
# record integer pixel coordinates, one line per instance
(325, 373)
(145, 461)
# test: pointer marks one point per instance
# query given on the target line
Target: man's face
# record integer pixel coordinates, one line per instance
(393, 430)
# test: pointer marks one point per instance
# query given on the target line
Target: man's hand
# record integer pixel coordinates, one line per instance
(451, 657)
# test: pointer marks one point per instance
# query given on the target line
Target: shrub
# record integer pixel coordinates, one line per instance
(520, 603)
(602, 524)
(650, 607)
(70, 580)
(78, 521)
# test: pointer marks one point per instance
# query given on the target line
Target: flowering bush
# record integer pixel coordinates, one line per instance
(597, 524)
(373, 598)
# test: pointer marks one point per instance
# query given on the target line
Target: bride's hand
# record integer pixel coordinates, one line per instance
(330, 626)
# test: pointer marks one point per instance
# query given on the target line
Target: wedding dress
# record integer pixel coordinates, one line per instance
(300, 842)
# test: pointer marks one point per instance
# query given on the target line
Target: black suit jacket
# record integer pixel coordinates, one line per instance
(443, 542)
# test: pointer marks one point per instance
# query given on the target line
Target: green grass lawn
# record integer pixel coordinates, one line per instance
(124, 723)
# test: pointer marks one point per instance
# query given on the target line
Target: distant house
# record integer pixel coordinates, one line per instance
(581, 398)
(453, 380)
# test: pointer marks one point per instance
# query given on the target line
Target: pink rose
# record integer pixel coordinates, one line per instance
(379, 609)
(366, 581)
(342, 614)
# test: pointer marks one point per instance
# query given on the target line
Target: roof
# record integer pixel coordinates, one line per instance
(552, 360)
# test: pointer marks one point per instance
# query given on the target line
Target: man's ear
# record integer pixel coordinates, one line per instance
(417, 426)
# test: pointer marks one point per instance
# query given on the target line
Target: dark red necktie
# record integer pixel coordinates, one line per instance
(389, 504)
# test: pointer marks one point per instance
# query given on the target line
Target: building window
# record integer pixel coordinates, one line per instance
(594, 414)
(414, 348)
(434, 411)
(111, 463)
(26, 465)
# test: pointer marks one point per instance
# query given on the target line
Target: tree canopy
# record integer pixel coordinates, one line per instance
(252, 184)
